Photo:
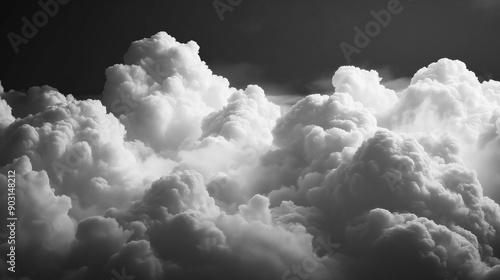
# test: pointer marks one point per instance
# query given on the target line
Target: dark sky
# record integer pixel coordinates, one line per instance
(286, 46)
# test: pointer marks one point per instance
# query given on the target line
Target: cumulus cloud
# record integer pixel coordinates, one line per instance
(447, 98)
(44, 229)
(364, 86)
(163, 91)
(174, 174)
(35, 100)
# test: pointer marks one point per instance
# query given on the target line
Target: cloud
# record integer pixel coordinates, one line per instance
(164, 90)
(282, 94)
(364, 86)
(446, 97)
(44, 230)
(37, 99)
(411, 247)
(83, 151)
(174, 174)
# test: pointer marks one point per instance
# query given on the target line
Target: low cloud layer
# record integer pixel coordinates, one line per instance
(174, 174)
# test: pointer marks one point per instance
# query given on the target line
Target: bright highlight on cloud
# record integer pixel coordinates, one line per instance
(176, 175)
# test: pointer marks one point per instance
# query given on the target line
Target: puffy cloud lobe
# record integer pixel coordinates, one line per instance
(335, 113)
(139, 260)
(248, 116)
(491, 90)
(6, 116)
(443, 97)
(313, 138)
(232, 143)
(163, 56)
(446, 97)
(405, 246)
(192, 243)
(164, 93)
(257, 209)
(177, 193)
(96, 240)
(397, 174)
(81, 148)
(447, 72)
(14, 104)
(6, 119)
(364, 86)
(442, 148)
(36, 100)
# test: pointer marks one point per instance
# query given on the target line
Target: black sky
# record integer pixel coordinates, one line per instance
(286, 46)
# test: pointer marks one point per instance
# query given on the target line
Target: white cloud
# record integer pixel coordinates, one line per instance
(364, 86)
(178, 175)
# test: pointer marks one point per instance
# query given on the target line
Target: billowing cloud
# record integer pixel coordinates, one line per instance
(364, 86)
(44, 230)
(174, 174)
(163, 92)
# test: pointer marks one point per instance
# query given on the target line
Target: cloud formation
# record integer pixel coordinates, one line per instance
(174, 174)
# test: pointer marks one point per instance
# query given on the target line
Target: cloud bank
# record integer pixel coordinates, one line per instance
(174, 174)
